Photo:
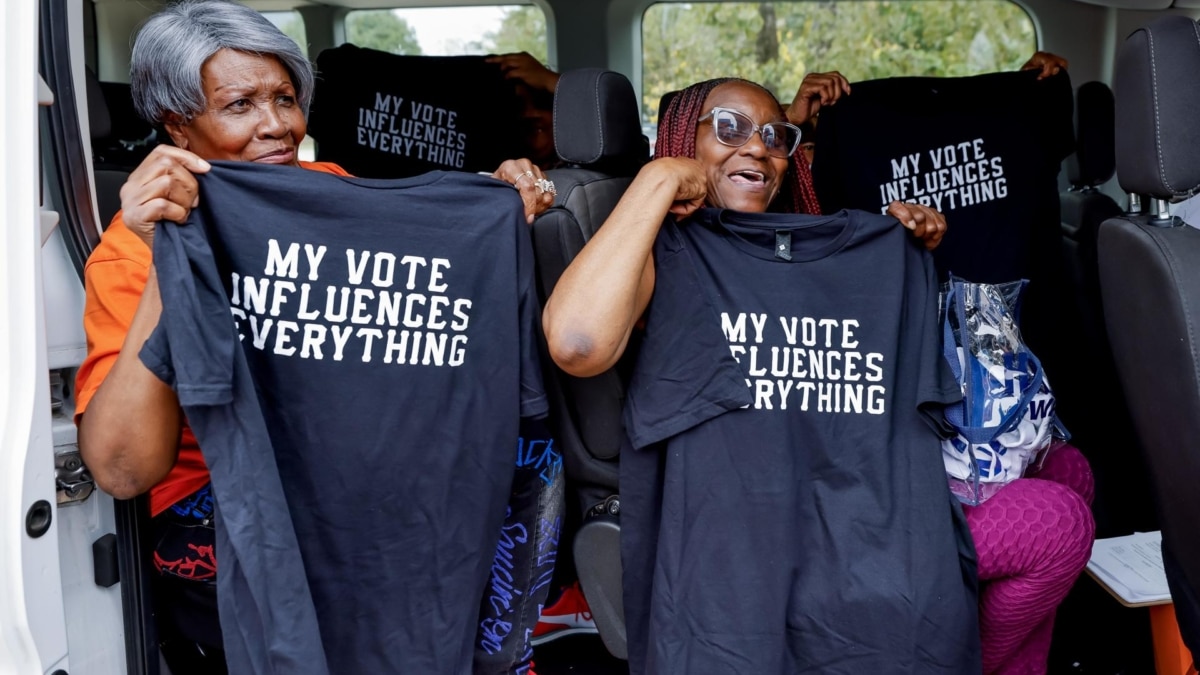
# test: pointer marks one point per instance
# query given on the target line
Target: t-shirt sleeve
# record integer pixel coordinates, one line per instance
(534, 403)
(155, 354)
(685, 374)
(937, 386)
(113, 289)
(195, 332)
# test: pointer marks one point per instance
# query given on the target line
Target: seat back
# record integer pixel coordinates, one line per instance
(597, 134)
(1093, 163)
(113, 157)
(1090, 401)
(1149, 270)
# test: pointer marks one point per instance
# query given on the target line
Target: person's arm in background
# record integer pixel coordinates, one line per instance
(524, 67)
(816, 91)
(824, 89)
(130, 426)
(1048, 64)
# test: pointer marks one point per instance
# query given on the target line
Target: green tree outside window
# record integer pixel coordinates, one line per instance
(777, 43)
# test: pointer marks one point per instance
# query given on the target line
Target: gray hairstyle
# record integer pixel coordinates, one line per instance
(173, 45)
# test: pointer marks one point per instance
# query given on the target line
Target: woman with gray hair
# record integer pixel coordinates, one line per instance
(226, 84)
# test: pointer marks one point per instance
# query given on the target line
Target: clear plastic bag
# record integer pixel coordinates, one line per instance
(1006, 423)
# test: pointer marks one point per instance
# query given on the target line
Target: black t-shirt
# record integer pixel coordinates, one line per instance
(362, 439)
(983, 150)
(382, 115)
(784, 505)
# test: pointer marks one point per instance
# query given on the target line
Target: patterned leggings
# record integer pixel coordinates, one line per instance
(1033, 539)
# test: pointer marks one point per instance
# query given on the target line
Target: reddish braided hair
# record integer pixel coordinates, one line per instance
(677, 138)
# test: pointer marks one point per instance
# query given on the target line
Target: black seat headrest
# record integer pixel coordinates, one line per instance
(1094, 161)
(666, 101)
(99, 120)
(596, 119)
(1157, 87)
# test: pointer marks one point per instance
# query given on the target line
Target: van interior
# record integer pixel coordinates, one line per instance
(1118, 339)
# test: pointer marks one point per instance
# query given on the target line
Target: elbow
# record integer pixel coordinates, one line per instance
(116, 480)
(575, 354)
(572, 350)
(112, 464)
(119, 486)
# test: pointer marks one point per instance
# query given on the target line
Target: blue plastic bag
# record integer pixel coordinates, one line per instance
(1006, 422)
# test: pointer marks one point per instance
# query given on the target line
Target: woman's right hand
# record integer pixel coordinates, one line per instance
(163, 187)
(687, 176)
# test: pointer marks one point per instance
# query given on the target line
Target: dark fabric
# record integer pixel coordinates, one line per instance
(1149, 278)
(1094, 161)
(361, 440)
(1155, 80)
(974, 136)
(184, 537)
(597, 120)
(784, 505)
(189, 632)
(382, 115)
(185, 586)
(526, 557)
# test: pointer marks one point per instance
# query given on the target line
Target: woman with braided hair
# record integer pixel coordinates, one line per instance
(750, 161)
(603, 293)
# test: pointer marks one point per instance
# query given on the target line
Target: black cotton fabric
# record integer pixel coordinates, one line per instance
(362, 436)
(983, 150)
(382, 115)
(784, 504)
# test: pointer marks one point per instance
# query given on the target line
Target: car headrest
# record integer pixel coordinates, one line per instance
(1094, 161)
(99, 120)
(666, 101)
(596, 119)
(1157, 87)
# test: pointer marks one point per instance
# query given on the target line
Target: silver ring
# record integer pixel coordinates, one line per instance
(517, 182)
(545, 185)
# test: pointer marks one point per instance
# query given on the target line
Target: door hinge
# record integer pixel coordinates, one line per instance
(72, 478)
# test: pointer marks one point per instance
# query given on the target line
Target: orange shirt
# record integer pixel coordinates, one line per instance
(115, 276)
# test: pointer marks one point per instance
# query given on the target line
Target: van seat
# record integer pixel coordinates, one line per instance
(1149, 273)
(597, 134)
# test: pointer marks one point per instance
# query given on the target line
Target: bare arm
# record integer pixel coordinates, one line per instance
(604, 291)
(129, 431)
(129, 434)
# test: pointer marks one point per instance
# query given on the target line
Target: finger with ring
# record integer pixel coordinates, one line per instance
(527, 174)
(544, 185)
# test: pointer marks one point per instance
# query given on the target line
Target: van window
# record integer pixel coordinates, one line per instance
(448, 31)
(777, 43)
(292, 25)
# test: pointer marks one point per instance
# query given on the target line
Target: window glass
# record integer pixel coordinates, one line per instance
(448, 31)
(777, 43)
(292, 25)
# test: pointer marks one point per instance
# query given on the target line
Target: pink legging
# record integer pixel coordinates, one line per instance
(1033, 539)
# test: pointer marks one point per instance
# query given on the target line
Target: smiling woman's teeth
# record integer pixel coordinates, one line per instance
(748, 177)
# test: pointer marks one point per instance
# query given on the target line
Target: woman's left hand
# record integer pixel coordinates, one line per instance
(926, 224)
(537, 192)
